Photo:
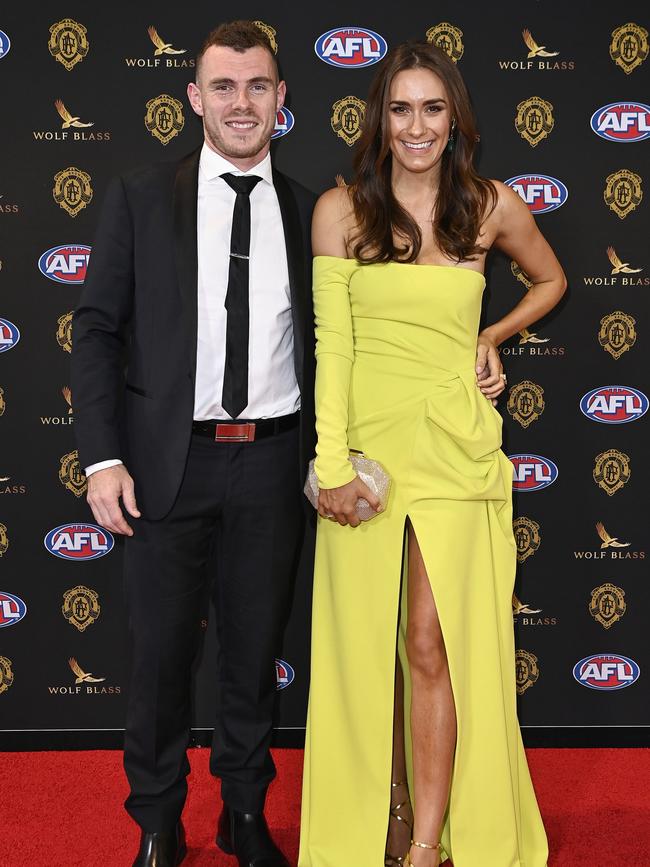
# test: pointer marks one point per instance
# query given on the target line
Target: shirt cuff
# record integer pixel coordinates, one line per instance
(102, 465)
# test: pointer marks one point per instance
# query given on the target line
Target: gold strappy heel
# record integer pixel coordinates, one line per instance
(408, 862)
(398, 860)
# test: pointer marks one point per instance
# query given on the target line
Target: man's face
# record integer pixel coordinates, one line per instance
(238, 96)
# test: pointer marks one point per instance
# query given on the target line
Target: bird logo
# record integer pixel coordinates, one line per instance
(81, 675)
(162, 47)
(619, 267)
(529, 337)
(522, 607)
(609, 541)
(67, 396)
(67, 118)
(536, 50)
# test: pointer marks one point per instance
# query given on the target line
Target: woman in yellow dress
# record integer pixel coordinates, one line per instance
(423, 743)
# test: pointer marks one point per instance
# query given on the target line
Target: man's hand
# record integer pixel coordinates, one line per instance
(340, 504)
(489, 369)
(105, 487)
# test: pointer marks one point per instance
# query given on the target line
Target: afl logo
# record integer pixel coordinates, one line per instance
(351, 46)
(283, 123)
(5, 44)
(9, 335)
(606, 671)
(622, 121)
(532, 472)
(79, 542)
(12, 609)
(540, 192)
(614, 404)
(65, 264)
(284, 673)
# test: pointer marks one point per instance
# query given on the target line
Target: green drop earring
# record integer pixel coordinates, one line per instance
(451, 140)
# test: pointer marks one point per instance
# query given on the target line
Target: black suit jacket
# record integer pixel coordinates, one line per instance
(135, 329)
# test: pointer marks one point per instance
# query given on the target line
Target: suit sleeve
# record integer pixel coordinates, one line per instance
(334, 359)
(100, 332)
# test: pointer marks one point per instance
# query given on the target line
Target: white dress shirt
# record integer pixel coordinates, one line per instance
(272, 386)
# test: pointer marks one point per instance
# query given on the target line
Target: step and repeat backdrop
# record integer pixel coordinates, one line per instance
(562, 95)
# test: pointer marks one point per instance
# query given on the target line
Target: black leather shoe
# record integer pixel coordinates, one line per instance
(246, 835)
(162, 848)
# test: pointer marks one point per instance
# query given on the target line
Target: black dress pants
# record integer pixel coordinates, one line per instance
(239, 507)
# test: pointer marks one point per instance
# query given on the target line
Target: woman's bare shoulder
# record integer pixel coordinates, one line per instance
(333, 222)
(507, 199)
(335, 204)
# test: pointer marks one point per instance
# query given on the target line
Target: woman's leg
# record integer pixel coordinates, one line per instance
(400, 823)
(433, 715)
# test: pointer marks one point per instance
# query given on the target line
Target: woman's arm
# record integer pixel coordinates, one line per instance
(340, 485)
(516, 234)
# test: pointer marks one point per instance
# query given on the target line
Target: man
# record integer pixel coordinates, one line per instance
(193, 352)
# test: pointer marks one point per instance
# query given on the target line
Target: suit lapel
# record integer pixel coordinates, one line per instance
(186, 188)
(293, 236)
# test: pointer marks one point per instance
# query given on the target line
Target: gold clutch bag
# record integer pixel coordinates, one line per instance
(370, 472)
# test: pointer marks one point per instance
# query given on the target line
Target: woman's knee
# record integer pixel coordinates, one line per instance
(425, 650)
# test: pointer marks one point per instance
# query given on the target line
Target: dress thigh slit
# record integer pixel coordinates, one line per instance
(402, 653)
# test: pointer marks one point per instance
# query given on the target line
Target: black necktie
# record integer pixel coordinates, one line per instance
(235, 378)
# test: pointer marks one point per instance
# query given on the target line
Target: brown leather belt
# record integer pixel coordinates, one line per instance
(245, 431)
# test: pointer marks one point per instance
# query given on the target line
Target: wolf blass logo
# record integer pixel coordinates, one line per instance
(163, 54)
(611, 548)
(537, 57)
(524, 615)
(85, 683)
(622, 273)
(73, 128)
(528, 540)
(7, 207)
(7, 487)
(61, 419)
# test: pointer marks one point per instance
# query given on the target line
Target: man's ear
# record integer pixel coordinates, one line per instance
(281, 95)
(194, 96)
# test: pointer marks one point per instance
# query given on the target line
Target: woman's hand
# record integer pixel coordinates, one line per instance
(340, 504)
(489, 368)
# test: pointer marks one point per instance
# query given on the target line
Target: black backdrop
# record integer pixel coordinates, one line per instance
(578, 595)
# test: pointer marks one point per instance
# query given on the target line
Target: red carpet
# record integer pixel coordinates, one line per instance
(64, 809)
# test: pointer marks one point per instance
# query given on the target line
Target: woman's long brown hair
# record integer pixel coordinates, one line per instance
(464, 198)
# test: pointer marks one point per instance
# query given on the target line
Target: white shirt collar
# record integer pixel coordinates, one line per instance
(212, 165)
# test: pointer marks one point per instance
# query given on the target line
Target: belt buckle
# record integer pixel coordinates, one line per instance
(235, 433)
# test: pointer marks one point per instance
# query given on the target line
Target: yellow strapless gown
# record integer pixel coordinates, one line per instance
(396, 356)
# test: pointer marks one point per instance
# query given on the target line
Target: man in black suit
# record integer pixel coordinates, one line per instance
(193, 393)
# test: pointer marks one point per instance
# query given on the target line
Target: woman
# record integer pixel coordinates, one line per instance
(398, 276)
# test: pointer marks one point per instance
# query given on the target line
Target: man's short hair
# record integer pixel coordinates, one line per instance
(238, 35)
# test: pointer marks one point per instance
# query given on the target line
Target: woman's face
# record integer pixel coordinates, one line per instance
(419, 119)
